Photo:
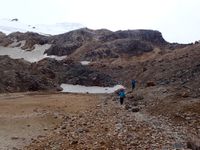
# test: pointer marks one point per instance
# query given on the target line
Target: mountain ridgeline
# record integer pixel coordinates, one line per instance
(91, 44)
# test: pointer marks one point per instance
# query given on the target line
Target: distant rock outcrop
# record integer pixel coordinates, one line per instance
(15, 19)
(4, 40)
(98, 44)
(152, 36)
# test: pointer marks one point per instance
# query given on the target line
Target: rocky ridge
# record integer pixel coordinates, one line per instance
(92, 44)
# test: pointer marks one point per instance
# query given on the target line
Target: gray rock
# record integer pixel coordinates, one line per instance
(135, 109)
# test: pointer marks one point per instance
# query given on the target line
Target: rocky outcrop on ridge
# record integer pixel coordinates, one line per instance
(4, 40)
(30, 39)
(87, 44)
(97, 44)
(119, 47)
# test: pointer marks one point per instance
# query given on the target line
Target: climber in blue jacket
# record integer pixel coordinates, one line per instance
(122, 95)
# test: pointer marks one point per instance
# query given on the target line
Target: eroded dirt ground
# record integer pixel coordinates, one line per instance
(26, 116)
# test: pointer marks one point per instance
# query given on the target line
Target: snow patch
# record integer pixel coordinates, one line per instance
(55, 57)
(32, 56)
(15, 44)
(8, 26)
(85, 63)
(89, 89)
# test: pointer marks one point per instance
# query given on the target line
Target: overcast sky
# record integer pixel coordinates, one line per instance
(178, 20)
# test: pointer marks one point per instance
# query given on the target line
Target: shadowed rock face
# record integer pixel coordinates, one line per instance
(119, 47)
(2, 35)
(152, 36)
(17, 75)
(67, 71)
(4, 41)
(59, 50)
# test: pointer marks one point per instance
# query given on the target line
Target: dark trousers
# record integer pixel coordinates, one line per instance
(121, 100)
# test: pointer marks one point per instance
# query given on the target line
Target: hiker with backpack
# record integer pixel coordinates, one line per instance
(122, 95)
(133, 83)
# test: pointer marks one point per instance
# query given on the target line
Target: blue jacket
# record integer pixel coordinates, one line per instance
(133, 82)
(122, 94)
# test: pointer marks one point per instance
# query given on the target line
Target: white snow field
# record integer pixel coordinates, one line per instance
(32, 56)
(8, 26)
(89, 89)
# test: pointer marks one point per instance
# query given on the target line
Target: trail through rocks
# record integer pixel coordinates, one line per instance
(111, 126)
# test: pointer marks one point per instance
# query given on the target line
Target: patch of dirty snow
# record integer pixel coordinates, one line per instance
(85, 62)
(89, 89)
(55, 57)
(32, 56)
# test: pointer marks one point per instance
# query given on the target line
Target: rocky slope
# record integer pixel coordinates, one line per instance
(17, 75)
(178, 68)
(140, 54)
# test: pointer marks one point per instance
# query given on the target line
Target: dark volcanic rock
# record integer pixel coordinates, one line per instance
(98, 44)
(60, 50)
(4, 41)
(15, 19)
(100, 54)
(67, 71)
(30, 38)
(2, 35)
(193, 146)
(118, 47)
(17, 75)
(152, 36)
(67, 43)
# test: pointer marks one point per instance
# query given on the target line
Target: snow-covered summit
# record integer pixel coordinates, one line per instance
(8, 26)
